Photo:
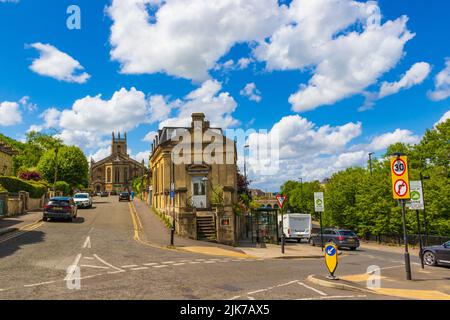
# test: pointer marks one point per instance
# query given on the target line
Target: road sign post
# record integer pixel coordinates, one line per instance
(417, 204)
(401, 191)
(319, 206)
(281, 199)
(331, 260)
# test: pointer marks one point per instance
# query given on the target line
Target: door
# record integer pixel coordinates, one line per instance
(199, 192)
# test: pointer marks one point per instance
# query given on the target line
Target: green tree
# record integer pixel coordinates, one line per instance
(71, 163)
(32, 150)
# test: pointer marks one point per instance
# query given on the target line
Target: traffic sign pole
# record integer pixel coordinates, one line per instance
(405, 239)
(321, 232)
(281, 199)
(420, 239)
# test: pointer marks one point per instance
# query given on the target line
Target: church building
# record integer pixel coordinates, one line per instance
(117, 171)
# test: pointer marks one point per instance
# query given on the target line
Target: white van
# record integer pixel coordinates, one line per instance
(296, 226)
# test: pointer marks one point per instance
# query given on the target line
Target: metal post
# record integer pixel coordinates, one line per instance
(321, 231)
(405, 239)
(425, 224)
(420, 239)
(283, 238)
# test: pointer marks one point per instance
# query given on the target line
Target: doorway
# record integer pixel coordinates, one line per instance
(199, 192)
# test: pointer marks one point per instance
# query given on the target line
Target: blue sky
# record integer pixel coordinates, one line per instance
(321, 132)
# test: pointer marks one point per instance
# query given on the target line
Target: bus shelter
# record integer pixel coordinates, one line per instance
(263, 224)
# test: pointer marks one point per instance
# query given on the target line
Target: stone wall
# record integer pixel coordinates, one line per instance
(15, 205)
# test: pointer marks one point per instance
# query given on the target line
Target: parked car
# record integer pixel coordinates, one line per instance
(340, 237)
(60, 208)
(437, 255)
(104, 194)
(296, 226)
(124, 196)
(83, 200)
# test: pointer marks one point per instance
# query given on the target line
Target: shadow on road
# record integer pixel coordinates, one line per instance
(12, 245)
(76, 220)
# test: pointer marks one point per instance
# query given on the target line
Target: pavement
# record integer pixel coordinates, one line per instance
(107, 253)
(17, 223)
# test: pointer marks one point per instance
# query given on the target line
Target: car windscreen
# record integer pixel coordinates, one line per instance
(80, 196)
(61, 203)
(347, 233)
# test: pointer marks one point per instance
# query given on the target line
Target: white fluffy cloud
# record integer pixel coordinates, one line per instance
(343, 42)
(442, 84)
(150, 136)
(251, 92)
(444, 118)
(10, 114)
(216, 105)
(315, 152)
(414, 76)
(381, 142)
(57, 64)
(185, 38)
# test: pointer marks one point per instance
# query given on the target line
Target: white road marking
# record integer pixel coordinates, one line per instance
(130, 266)
(161, 266)
(200, 259)
(168, 262)
(68, 277)
(313, 289)
(113, 272)
(234, 298)
(140, 268)
(107, 264)
(91, 266)
(210, 261)
(87, 243)
(194, 262)
(38, 284)
(250, 298)
(89, 258)
(257, 291)
(150, 264)
(179, 264)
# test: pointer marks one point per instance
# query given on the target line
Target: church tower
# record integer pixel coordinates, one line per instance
(119, 145)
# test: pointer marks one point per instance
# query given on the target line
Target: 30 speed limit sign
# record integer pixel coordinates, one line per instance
(400, 179)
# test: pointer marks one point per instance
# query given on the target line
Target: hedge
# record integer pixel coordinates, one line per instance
(13, 184)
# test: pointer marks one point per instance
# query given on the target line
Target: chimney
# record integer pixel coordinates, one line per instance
(198, 119)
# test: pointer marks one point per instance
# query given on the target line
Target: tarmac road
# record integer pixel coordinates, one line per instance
(112, 265)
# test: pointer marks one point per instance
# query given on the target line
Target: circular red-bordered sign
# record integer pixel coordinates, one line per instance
(401, 188)
(398, 167)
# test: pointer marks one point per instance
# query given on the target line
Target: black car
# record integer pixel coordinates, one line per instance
(437, 255)
(104, 194)
(60, 208)
(124, 196)
(339, 237)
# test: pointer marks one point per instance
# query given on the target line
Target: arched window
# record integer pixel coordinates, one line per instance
(108, 174)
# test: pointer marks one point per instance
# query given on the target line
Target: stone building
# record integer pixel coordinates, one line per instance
(117, 171)
(197, 190)
(6, 160)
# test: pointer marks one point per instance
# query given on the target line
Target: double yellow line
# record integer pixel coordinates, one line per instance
(137, 228)
(21, 231)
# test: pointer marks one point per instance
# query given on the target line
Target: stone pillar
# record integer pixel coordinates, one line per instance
(3, 204)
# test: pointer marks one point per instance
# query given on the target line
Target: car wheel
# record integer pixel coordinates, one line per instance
(313, 243)
(44, 219)
(429, 258)
(352, 248)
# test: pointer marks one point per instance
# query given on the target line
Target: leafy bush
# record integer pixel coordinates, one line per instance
(64, 187)
(13, 184)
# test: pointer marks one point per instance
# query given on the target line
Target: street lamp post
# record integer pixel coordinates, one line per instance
(301, 191)
(370, 162)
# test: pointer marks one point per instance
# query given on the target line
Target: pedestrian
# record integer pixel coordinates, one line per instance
(132, 195)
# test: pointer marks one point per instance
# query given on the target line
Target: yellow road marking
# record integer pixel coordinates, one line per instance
(22, 230)
(414, 294)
